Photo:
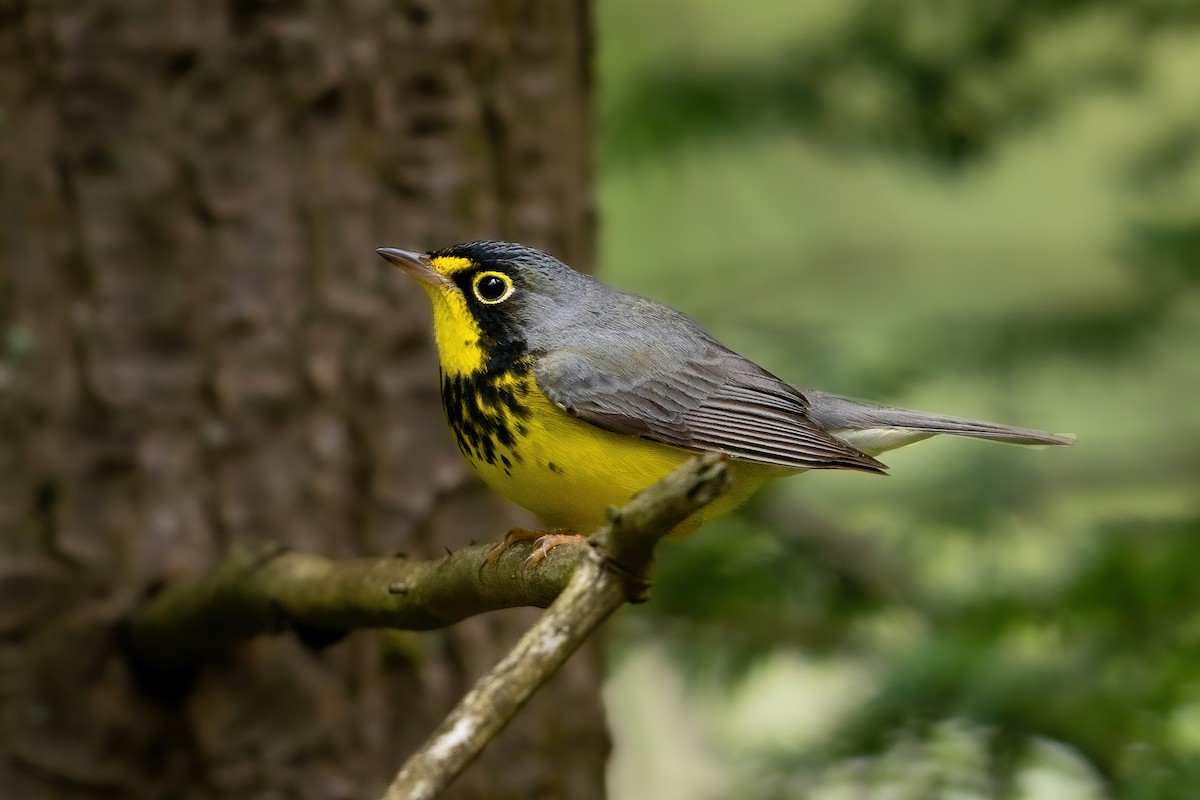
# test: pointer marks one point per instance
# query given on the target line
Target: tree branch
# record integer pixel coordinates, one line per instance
(262, 588)
(612, 573)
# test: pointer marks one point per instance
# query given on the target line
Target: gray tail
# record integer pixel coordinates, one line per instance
(874, 428)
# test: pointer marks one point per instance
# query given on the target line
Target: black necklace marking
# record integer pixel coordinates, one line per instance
(487, 411)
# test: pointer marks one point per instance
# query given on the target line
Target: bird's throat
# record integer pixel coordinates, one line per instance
(459, 340)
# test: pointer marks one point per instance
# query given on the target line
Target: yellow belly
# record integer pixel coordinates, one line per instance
(569, 472)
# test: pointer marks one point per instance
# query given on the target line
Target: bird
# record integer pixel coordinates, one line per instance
(569, 396)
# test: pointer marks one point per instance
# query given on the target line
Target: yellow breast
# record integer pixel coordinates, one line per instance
(563, 469)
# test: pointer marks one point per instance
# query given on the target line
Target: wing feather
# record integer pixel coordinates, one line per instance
(710, 399)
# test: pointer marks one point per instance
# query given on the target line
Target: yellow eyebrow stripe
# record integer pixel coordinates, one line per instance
(451, 265)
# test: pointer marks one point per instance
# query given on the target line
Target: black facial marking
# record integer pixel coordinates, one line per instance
(487, 409)
(555, 468)
(499, 323)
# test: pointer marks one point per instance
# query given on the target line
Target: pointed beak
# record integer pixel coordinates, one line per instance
(415, 264)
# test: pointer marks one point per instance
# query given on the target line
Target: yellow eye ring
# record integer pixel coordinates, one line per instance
(492, 287)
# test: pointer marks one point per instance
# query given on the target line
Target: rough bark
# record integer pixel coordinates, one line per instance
(199, 347)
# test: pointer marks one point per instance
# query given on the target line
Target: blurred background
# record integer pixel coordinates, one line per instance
(985, 209)
(988, 209)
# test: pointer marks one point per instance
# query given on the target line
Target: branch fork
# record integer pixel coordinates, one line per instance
(580, 585)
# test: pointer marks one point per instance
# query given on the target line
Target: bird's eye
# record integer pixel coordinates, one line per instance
(492, 287)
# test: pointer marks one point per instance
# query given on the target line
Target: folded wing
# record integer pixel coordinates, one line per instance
(706, 399)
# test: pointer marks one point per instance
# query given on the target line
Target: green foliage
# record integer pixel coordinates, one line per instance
(945, 81)
(710, 595)
(980, 208)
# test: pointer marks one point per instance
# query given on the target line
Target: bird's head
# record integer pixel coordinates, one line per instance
(493, 302)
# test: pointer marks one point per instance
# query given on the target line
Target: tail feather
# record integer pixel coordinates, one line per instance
(875, 428)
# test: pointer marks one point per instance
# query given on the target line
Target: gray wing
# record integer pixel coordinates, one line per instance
(682, 388)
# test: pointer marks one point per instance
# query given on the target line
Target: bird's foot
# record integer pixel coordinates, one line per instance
(543, 543)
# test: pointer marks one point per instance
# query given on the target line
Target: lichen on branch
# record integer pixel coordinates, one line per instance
(262, 588)
(612, 573)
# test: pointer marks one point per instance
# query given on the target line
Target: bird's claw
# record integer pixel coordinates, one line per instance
(543, 543)
(547, 542)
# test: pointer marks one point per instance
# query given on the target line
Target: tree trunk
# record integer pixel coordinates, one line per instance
(198, 346)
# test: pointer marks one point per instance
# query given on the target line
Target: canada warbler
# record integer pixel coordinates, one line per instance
(568, 396)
